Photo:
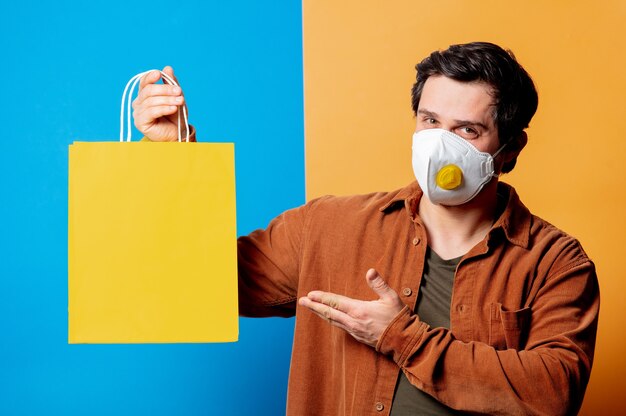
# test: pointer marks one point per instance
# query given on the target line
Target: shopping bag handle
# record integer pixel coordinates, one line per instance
(134, 81)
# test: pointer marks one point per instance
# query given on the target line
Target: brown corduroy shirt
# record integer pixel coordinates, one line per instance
(523, 315)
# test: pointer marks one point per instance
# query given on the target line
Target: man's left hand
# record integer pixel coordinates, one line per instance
(364, 320)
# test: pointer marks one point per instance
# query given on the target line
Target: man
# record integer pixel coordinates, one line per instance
(443, 297)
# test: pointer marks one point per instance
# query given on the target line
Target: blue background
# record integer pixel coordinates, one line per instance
(64, 65)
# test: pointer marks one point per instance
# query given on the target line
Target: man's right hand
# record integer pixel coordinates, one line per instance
(156, 106)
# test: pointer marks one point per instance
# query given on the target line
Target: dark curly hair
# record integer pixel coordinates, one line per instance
(512, 88)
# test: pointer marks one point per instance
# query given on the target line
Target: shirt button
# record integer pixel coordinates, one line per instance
(380, 406)
(460, 308)
(416, 241)
(407, 291)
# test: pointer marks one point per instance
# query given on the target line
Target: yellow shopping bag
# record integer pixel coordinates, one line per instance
(152, 242)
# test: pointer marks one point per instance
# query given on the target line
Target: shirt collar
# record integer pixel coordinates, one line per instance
(515, 221)
(403, 197)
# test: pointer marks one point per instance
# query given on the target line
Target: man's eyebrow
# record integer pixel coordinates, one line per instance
(427, 113)
(434, 115)
(471, 123)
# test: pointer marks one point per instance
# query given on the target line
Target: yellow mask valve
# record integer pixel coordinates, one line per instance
(449, 177)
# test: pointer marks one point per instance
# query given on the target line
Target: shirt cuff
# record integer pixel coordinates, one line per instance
(401, 336)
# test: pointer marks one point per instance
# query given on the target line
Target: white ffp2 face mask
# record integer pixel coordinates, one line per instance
(448, 168)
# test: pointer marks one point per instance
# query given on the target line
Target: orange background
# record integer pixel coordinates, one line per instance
(359, 59)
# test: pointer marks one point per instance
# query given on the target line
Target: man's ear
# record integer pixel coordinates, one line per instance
(513, 149)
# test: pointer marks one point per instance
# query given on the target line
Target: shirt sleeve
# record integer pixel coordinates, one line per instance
(269, 266)
(547, 377)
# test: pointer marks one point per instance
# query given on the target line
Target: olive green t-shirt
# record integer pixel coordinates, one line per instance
(433, 307)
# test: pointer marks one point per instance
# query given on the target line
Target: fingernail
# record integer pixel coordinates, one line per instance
(179, 99)
(176, 90)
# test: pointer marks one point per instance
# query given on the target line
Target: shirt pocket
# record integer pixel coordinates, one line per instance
(508, 329)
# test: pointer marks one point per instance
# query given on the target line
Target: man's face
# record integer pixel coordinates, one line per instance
(463, 108)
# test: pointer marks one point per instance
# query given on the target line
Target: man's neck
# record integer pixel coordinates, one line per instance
(453, 230)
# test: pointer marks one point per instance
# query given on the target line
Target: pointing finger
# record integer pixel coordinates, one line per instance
(150, 78)
(162, 100)
(341, 303)
(324, 311)
(170, 72)
(154, 90)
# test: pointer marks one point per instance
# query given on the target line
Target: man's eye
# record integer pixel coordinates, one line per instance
(431, 121)
(468, 131)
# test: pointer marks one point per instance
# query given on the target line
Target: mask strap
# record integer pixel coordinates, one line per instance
(493, 157)
(134, 81)
(500, 149)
